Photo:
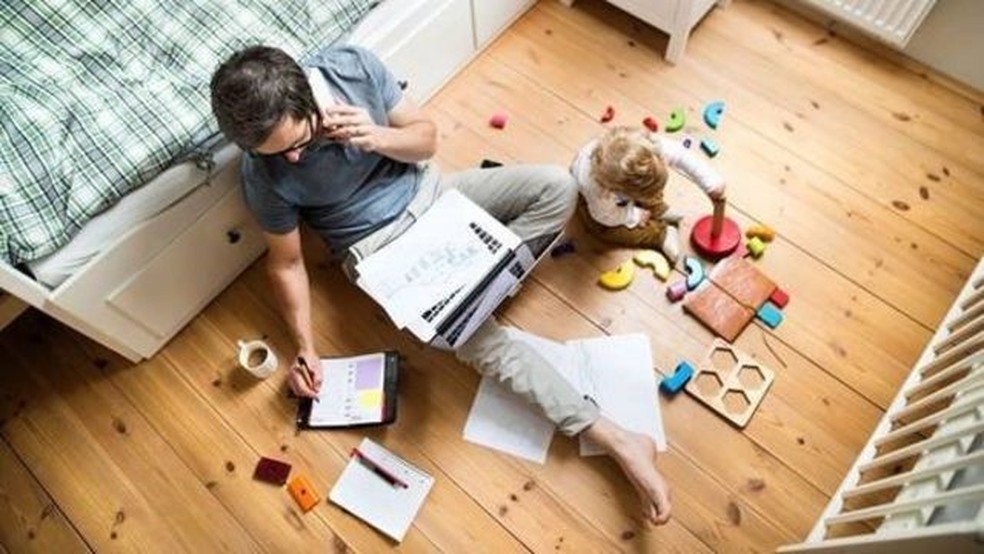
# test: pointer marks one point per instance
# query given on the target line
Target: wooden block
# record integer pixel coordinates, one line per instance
(780, 298)
(718, 311)
(677, 120)
(498, 120)
(655, 260)
(755, 247)
(675, 382)
(742, 280)
(651, 124)
(764, 233)
(618, 278)
(676, 291)
(271, 471)
(303, 493)
(731, 383)
(710, 147)
(770, 315)
(608, 114)
(713, 113)
(695, 272)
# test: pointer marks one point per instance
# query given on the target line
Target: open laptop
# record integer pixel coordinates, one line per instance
(444, 276)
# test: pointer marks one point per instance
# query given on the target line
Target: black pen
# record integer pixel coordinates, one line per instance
(379, 470)
(306, 374)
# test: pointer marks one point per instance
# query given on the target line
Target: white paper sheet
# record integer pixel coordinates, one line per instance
(614, 370)
(368, 496)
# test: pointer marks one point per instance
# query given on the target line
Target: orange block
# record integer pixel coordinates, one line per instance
(303, 493)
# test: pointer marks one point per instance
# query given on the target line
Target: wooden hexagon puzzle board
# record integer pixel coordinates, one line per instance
(731, 382)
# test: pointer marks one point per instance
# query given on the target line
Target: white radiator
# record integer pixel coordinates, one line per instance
(892, 21)
(918, 485)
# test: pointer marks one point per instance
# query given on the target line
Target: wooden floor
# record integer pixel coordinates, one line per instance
(871, 173)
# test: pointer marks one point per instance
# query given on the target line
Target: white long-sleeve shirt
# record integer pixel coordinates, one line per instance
(611, 209)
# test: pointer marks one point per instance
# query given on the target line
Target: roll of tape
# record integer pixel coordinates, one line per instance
(257, 358)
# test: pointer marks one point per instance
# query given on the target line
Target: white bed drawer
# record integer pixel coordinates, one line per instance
(432, 47)
(176, 283)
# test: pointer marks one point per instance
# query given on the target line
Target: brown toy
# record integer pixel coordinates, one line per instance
(731, 383)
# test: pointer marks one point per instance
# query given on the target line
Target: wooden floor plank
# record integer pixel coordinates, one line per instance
(114, 477)
(30, 521)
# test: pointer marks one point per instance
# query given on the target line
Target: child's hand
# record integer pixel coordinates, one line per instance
(717, 194)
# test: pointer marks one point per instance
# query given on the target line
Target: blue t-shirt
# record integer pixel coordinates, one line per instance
(340, 191)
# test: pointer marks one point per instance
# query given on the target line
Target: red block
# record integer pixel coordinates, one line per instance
(780, 298)
(651, 124)
(498, 120)
(608, 115)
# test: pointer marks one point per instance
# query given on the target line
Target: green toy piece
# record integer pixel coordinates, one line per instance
(677, 120)
(713, 113)
(755, 247)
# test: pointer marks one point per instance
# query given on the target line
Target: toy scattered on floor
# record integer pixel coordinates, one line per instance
(486, 164)
(770, 315)
(673, 383)
(618, 278)
(608, 114)
(780, 298)
(718, 311)
(498, 120)
(271, 471)
(755, 247)
(651, 124)
(677, 290)
(303, 493)
(695, 271)
(715, 236)
(565, 246)
(737, 289)
(762, 232)
(709, 147)
(677, 120)
(713, 113)
(655, 260)
(731, 383)
(688, 141)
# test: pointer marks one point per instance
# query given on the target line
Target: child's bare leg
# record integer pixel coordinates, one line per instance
(636, 455)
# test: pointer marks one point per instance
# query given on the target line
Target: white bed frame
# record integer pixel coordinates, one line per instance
(142, 289)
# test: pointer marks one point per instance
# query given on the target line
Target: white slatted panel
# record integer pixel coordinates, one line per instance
(892, 21)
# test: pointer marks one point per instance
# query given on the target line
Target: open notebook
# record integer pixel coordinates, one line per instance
(449, 271)
(616, 371)
(372, 488)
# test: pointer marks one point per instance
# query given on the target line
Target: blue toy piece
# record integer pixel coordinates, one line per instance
(709, 147)
(770, 315)
(695, 272)
(713, 113)
(675, 382)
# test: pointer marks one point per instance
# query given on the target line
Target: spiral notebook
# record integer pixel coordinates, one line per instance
(371, 488)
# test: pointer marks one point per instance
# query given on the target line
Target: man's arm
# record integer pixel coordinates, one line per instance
(410, 136)
(285, 267)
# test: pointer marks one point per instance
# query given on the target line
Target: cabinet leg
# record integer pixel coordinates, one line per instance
(674, 49)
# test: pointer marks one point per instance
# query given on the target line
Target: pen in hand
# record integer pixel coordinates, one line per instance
(379, 470)
(306, 374)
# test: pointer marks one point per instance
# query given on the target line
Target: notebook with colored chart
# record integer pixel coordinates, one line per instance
(356, 391)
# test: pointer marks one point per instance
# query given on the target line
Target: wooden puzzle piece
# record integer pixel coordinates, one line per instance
(713, 113)
(764, 233)
(695, 272)
(651, 124)
(770, 315)
(654, 260)
(755, 247)
(731, 383)
(718, 311)
(710, 147)
(742, 280)
(618, 278)
(303, 493)
(608, 114)
(673, 383)
(498, 120)
(676, 291)
(271, 471)
(780, 298)
(677, 120)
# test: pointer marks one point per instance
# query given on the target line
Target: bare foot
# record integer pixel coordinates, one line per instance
(636, 455)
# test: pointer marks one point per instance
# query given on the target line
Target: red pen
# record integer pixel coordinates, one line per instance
(379, 470)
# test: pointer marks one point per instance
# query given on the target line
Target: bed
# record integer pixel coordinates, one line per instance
(124, 223)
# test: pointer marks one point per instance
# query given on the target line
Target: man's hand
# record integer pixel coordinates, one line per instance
(353, 125)
(306, 381)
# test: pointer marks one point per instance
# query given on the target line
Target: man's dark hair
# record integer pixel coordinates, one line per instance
(253, 91)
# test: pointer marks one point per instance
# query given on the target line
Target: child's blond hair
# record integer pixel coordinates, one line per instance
(626, 161)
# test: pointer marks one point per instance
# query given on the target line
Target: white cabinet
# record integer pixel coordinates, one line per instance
(674, 17)
(493, 16)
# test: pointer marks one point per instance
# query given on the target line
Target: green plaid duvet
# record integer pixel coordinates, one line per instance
(97, 98)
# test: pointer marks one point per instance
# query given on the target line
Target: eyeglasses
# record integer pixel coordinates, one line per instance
(314, 123)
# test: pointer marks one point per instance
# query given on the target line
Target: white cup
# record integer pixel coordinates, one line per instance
(257, 358)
